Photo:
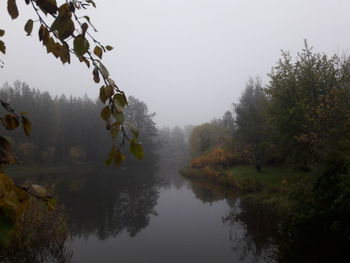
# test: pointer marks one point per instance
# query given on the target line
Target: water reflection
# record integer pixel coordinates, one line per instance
(103, 201)
(252, 227)
(115, 211)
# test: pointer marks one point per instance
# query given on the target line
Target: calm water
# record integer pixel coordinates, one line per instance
(157, 216)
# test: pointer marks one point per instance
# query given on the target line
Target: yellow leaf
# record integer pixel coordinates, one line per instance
(98, 51)
(106, 113)
(27, 125)
(10, 122)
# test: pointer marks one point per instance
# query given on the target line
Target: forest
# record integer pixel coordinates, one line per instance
(106, 178)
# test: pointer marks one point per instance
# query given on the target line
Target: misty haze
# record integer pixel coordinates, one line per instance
(174, 131)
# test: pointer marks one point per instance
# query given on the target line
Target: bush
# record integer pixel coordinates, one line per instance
(221, 157)
(40, 236)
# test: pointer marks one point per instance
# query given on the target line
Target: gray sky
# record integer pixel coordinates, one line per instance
(187, 59)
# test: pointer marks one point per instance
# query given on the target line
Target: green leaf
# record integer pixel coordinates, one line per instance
(10, 122)
(136, 149)
(27, 126)
(2, 47)
(121, 99)
(29, 27)
(98, 51)
(12, 8)
(106, 113)
(2, 32)
(81, 45)
(64, 27)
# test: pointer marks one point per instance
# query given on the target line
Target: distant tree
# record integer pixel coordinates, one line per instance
(204, 137)
(229, 122)
(251, 121)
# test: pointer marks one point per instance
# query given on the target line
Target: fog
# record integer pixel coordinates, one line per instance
(188, 60)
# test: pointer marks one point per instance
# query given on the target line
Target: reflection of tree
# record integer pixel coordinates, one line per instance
(253, 228)
(105, 201)
(109, 203)
(208, 192)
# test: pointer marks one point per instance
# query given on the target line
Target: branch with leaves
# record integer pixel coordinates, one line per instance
(66, 33)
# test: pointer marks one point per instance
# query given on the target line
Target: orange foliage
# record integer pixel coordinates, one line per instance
(221, 157)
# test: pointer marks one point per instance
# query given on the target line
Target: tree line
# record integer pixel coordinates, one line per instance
(69, 129)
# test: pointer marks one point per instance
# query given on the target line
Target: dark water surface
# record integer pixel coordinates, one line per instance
(157, 216)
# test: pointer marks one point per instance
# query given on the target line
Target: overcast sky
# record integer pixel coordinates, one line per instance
(187, 59)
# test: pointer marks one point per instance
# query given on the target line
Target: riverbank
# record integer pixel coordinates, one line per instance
(269, 187)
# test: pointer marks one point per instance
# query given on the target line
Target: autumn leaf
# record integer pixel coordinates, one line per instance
(10, 121)
(27, 125)
(98, 51)
(29, 27)
(12, 9)
(106, 113)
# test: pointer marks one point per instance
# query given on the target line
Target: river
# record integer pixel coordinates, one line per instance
(155, 215)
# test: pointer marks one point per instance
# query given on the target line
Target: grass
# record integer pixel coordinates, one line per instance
(269, 187)
(270, 176)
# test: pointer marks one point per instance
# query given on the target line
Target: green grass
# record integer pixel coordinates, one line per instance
(270, 176)
(269, 187)
(246, 179)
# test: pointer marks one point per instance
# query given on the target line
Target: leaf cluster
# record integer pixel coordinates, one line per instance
(66, 33)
